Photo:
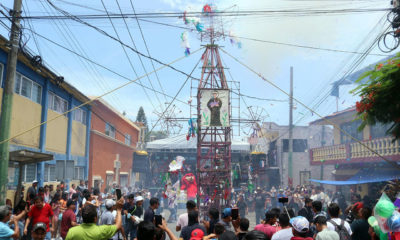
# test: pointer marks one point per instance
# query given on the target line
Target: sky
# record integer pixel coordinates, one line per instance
(314, 70)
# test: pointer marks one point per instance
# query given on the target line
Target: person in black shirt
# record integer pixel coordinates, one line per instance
(259, 208)
(243, 228)
(360, 226)
(193, 224)
(213, 214)
(149, 214)
(306, 211)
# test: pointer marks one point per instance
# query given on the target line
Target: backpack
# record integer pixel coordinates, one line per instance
(341, 230)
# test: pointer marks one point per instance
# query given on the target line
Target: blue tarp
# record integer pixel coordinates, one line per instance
(366, 175)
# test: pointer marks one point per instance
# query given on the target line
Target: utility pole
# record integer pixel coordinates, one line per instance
(6, 106)
(322, 144)
(290, 158)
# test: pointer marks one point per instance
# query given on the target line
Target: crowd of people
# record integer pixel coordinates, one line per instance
(79, 213)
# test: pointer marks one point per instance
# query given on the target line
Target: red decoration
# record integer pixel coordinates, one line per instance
(189, 184)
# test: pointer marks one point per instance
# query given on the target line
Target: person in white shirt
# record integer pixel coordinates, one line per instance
(183, 219)
(286, 232)
(334, 211)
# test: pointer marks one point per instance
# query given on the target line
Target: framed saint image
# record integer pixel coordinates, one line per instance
(214, 108)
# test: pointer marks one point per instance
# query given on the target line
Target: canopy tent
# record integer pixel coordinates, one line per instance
(366, 175)
(180, 142)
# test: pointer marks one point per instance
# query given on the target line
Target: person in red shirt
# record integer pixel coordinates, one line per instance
(69, 218)
(267, 227)
(40, 212)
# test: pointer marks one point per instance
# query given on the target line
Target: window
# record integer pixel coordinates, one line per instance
(49, 173)
(352, 129)
(1, 74)
(78, 173)
(29, 172)
(127, 139)
(79, 115)
(123, 180)
(27, 88)
(57, 103)
(110, 130)
(379, 130)
(299, 145)
(304, 177)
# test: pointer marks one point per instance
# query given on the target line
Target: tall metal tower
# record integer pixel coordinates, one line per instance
(214, 132)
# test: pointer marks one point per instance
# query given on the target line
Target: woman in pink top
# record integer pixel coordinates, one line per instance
(266, 227)
(56, 206)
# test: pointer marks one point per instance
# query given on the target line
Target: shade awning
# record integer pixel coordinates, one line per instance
(28, 157)
(366, 175)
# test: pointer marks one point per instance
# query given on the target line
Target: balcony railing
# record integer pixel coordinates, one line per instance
(355, 152)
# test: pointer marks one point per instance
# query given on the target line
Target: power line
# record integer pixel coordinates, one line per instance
(144, 40)
(305, 106)
(270, 42)
(129, 60)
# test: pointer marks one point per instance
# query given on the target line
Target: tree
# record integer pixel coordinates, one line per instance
(141, 116)
(380, 98)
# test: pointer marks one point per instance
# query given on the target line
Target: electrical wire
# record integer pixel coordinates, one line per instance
(130, 62)
(394, 164)
(96, 98)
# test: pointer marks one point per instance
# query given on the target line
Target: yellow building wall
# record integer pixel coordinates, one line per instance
(25, 115)
(78, 139)
(56, 136)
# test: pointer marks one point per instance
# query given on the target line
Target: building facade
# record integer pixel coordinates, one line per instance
(40, 96)
(274, 142)
(112, 144)
(350, 159)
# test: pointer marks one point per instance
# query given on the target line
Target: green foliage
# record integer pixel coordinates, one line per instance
(141, 116)
(380, 96)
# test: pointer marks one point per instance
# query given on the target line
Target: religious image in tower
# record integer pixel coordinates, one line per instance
(214, 107)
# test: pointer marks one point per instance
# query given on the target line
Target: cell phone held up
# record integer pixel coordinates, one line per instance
(118, 193)
(158, 220)
(283, 200)
(235, 213)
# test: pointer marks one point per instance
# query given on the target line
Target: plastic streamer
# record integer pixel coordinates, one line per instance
(185, 43)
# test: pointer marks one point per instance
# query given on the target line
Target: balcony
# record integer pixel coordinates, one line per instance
(355, 152)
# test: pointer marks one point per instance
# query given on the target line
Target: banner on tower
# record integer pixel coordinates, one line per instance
(214, 108)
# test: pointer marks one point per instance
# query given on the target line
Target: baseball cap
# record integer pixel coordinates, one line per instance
(227, 212)
(138, 198)
(197, 234)
(109, 203)
(358, 205)
(39, 225)
(35, 181)
(300, 224)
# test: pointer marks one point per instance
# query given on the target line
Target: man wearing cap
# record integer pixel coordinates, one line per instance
(39, 231)
(108, 218)
(5, 231)
(68, 218)
(192, 226)
(226, 219)
(133, 216)
(300, 227)
(89, 230)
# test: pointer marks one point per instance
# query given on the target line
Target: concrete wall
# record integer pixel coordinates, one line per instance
(56, 136)
(301, 160)
(78, 140)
